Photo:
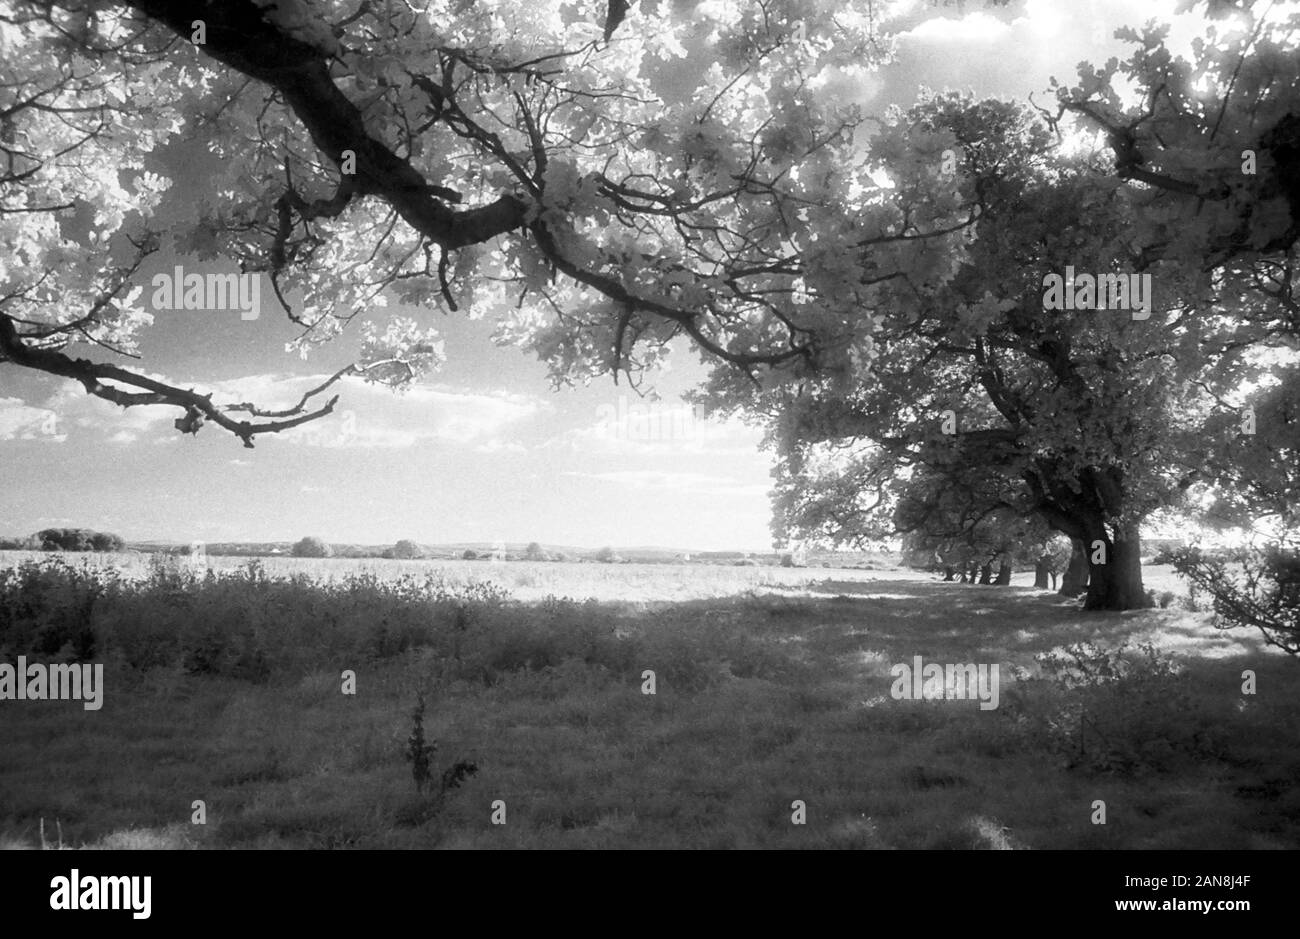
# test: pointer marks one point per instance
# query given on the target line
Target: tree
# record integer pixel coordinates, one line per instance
(460, 159)
(74, 539)
(1053, 557)
(1097, 418)
(1256, 588)
(534, 552)
(105, 541)
(407, 549)
(965, 530)
(448, 157)
(607, 555)
(311, 547)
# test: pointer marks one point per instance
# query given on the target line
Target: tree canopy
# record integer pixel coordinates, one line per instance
(1093, 417)
(602, 183)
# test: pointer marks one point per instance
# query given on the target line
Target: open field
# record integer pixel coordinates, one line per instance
(772, 685)
(526, 580)
(536, 580)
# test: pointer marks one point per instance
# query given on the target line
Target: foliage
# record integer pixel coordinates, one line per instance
(76, 539)
(407, 549)
(500, 160)
(1250, 587)
(1091, 418)
(1112, 710)
(419, 753)
(311, 547)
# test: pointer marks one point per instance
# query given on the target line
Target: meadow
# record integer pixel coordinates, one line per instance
(224, 685)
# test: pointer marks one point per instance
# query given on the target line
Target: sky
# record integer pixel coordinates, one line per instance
(483, 450)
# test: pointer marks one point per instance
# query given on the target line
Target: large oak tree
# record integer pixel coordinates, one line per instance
(604, 181)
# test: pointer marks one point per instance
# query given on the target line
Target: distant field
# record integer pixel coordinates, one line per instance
(535, 580)
(526, 580)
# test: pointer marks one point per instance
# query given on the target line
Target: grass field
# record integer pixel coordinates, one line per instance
(772, 685)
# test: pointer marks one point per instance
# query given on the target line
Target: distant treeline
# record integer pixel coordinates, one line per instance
(65, 539)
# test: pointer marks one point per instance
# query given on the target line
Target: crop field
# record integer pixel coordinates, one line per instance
(773, 721)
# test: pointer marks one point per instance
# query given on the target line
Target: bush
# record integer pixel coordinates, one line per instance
(1249, 587)
(74, 539)
(469, 555)
(607, 555)
(406, 549)
(1112, 711)
(311, 547)
(104, 541)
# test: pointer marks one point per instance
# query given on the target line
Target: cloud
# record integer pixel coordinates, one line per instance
(120, 425)
(372, 416)
(20, 421)
(699, 483)
(979, 27)
(500, 446)
(644, 429)
(367, 416)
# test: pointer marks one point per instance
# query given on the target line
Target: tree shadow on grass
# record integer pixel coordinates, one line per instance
(895, 620)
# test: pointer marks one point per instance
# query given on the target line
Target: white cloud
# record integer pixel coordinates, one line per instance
(372, 416)
(699, 483)
(367, 415)
(643, 430)
(978, 27)
(20, 421)
(500, 446)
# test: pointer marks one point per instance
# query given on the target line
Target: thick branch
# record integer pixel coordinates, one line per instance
(198, 408)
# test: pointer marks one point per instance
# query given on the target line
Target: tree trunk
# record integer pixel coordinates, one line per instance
(1004, 574)
(986, 574)
(1041, 569)
(1117, 584)
(949, 573)
(1075, 579)
(1053, 576)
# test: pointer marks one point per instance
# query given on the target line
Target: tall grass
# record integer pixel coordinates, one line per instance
(224, 685)
(248, 625)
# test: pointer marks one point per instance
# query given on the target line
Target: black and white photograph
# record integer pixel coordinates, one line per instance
(687, 425)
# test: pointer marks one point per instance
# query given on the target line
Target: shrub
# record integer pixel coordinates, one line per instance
(1249, 587)
(311, 547)
(1112, 711)
(406, 549)
(104, 541)
(75, 539)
